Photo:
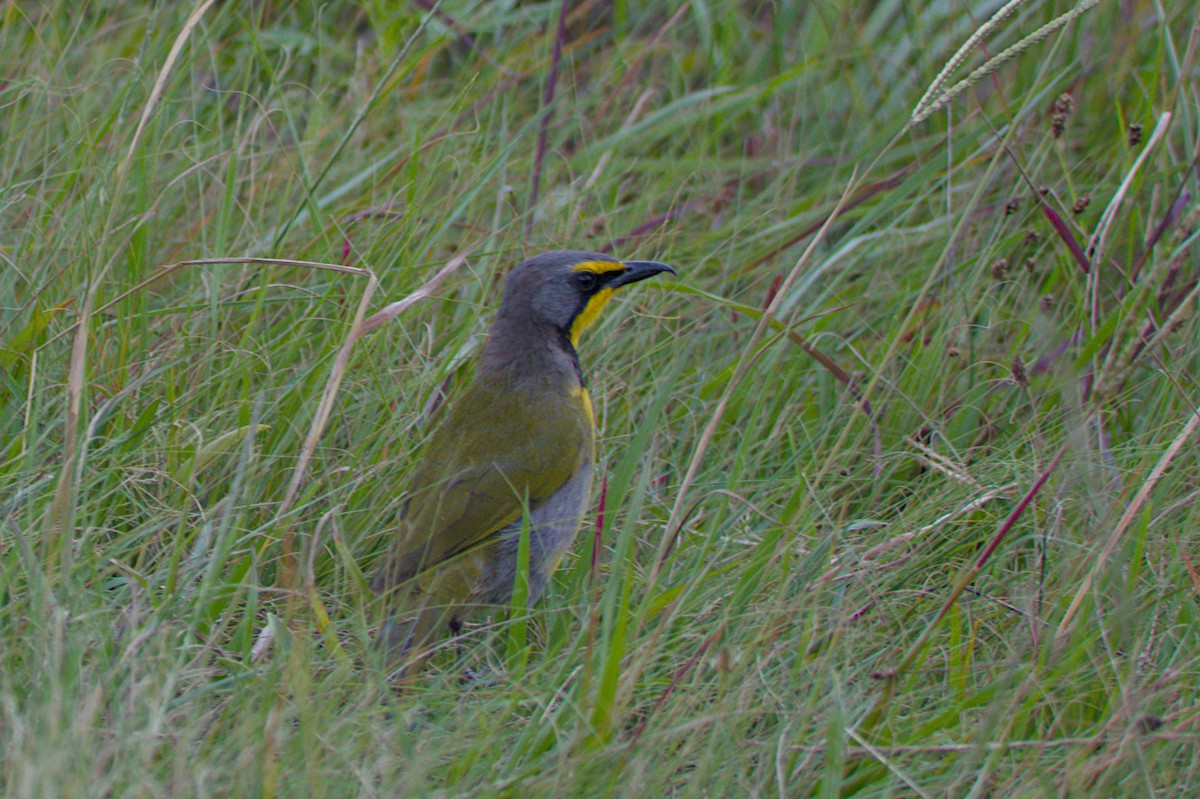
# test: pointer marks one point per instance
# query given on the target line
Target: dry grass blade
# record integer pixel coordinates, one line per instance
(359, 327)
(62, 509)
(885, 759)
(394, 309)
(160, 83)
(1069, 618)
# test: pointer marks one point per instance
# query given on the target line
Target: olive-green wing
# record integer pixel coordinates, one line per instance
(488, 455)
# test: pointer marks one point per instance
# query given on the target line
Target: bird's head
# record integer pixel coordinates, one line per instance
(567, 289)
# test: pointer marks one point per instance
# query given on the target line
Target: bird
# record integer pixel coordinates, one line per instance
(515, 451)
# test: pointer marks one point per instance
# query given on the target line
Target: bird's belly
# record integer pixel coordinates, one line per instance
(552, 528)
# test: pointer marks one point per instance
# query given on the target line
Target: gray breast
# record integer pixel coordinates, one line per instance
(552, 527)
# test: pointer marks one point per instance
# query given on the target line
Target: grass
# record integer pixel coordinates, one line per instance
(897, 501)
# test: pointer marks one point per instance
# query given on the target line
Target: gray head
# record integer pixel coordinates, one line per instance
(567, 289)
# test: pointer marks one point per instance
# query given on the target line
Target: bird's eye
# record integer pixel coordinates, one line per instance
(586, 281)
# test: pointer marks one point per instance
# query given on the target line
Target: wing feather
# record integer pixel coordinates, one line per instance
(492, 450)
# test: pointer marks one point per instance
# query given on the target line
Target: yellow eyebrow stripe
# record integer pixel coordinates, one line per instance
(599, 267)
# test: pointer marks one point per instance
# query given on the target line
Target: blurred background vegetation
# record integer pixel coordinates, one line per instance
(897, 499)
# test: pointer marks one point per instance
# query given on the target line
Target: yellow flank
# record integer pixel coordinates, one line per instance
(599, 267)
(582, 393)
(589, 314)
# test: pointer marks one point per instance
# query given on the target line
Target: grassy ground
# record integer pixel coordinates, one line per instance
(924, 528)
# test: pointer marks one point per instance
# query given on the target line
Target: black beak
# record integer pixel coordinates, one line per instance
(639, 270)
